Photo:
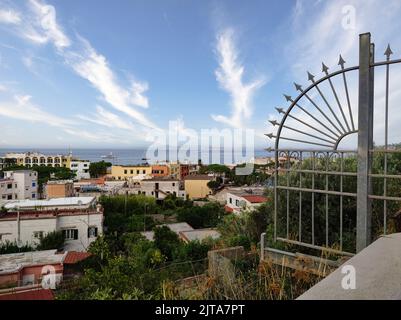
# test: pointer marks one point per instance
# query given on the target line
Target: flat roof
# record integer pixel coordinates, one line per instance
(10, 263)
(59, 181)
(175, 227)
(199, 177)
(72, 201)
(200, 234)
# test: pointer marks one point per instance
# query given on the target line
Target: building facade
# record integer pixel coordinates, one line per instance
(60, 189)
(26, 183)
(237, 202)
(26, 222)
(80, 168)
(30, 159)
(160, 188)
(8, 190)
(160, 171)
(196, 186)
(126, 173)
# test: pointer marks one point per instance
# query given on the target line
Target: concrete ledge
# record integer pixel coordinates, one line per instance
(377, 274)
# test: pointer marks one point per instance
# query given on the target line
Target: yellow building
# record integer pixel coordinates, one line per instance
(31, 159)
(196, 186)
(127, 172)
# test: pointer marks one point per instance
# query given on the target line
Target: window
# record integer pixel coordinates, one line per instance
(38, 234)
(231, 200)
(70, 234)
(9, 186)
(173, 184)
(33, 195)
(144, 171)
(9, 197)
(137, 171)
(132, 171)
(33, 184)
(125, 171)
(92, 232)
(237, 203)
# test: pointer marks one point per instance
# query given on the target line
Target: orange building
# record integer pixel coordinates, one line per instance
(60, 189)
(160, 171)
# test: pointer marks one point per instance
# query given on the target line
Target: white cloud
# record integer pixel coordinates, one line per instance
(40, 26)
(95, 68)
(45, 27)
(108, 119)
(9, 17)
(22, 108)
(230, 77)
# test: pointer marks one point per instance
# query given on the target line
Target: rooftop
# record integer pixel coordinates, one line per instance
(254, 198)
(200, 234)
(55, 202)
(161, 179)
(175, 227)
(59, 182)
(11, 263)
(199, 177)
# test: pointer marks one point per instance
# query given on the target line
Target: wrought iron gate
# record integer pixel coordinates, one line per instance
(304, 177)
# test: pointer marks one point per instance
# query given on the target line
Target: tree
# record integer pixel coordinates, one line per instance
(213, 184)
(98, 168)
(207, 216)
(166, 240)
(53, 240)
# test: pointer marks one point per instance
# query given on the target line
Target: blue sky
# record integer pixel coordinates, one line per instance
(111, 73)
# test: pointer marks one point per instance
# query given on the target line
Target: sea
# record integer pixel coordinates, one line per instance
(139, 156)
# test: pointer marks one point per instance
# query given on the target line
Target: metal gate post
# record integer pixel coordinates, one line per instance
(365, 141)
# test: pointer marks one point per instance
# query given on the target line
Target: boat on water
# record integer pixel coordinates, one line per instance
(109, 156)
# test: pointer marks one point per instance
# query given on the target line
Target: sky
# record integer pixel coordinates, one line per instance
(91, 74)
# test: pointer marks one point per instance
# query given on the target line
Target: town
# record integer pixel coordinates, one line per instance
(166, 151)
(56, 210)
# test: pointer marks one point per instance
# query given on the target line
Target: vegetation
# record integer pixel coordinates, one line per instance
(52, 240)
(206, 216)
(8, 247)
(97, 169)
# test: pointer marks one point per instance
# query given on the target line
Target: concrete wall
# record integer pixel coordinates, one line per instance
(59, 190)
(197, 189)
(9, 229)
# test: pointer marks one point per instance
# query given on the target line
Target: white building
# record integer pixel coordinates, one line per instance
(80, 220)
(80, 168)
(8, 190)
(26, 182)
(160, 188)
(237, 202)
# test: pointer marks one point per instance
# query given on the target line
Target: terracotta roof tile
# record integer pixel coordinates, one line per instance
(255, 199)
(73, 257)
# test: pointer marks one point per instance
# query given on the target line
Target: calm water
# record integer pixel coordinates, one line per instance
(130, 156)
